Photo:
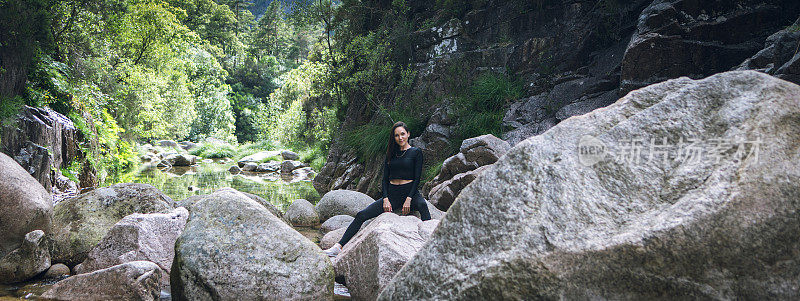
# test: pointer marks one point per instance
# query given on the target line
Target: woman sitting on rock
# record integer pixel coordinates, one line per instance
(402, 170)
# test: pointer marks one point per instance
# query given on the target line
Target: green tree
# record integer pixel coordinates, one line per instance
(273, 33)
(24, 32)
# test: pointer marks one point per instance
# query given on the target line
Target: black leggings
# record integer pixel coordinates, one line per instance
(397, 196)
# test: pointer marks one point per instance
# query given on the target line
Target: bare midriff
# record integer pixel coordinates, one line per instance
(399, 181)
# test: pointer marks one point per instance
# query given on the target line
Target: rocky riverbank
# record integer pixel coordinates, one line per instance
(130, 241)
(682, 189)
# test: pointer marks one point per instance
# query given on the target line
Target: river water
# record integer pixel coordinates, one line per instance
(181, 182)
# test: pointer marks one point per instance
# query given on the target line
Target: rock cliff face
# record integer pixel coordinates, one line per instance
(574, 57)
(42, 141)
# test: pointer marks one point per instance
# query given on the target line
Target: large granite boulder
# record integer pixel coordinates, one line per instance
(302, 213)
(136, 280)
(26, 216)
(80, 223)
(150, 237)
(581, 212)
(26, 205)
(234, 249)
(372, 257)
(190, 201)
(346, 202)
(27, 261)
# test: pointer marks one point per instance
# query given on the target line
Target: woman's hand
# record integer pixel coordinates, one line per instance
(387, 207)
(407, 206)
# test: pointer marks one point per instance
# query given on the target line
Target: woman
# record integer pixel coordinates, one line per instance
(402, 170)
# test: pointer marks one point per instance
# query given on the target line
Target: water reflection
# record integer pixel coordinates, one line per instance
(181, 182)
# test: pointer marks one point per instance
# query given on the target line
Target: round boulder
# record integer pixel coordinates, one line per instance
(289, 155)
(336, 222)
(57, 270)
(302, 213)
(26, 216)
(234, 249)
(26, 205)
(346, 202)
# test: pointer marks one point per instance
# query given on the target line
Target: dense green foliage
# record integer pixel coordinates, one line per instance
(480, 110)
(144, 70)
(236, 76)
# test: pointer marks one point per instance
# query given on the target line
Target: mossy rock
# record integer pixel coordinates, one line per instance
(80, 223)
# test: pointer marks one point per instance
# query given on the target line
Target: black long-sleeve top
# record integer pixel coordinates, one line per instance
(406, 165)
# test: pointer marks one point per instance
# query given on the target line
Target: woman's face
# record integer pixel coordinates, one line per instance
(400, 136)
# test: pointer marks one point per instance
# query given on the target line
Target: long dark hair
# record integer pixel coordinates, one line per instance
(392, 148)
